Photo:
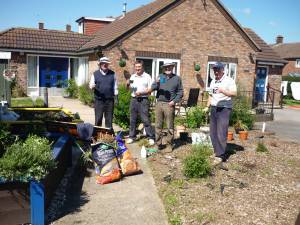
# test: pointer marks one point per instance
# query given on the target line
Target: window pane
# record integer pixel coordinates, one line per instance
(147, 65)
(232, 72)
(32, 71)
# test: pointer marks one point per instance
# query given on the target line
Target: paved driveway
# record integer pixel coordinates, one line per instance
(286, 124)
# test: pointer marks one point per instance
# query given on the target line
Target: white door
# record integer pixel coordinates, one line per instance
(161, 62)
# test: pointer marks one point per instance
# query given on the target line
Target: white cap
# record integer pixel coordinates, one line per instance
(104, 60)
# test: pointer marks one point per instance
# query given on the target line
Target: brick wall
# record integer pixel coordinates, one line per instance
(19, 61)
(91, 27)
(195, 33)
(290, 67)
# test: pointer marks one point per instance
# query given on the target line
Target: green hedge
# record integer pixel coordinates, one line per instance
(121, 111)
(86, 95)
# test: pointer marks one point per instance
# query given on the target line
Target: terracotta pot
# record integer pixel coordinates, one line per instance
(243, 135)
(229, 136)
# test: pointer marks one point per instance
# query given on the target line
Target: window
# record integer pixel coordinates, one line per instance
(297, 63)
(229, 70)
(32, 71)
(153, 67)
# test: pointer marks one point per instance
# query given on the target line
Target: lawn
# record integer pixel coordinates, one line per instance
(27, 102)
(291, 102)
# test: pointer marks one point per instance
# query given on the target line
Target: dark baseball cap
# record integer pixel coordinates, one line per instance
(218, 65)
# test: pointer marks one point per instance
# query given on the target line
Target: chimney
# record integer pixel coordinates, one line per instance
(279, 39)
(41, 25)
(68, 28)
(124, 8)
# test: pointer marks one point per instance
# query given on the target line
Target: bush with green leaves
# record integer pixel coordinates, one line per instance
(197, 164)
(39, 102)
(86, 95)
(31, 159)
(121, 111)
(72, 89)
(196, 117)
(241, 111)
(6, 138)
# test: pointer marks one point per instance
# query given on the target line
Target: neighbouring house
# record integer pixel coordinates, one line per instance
(186, 32)
(289, 52)
(269, 66)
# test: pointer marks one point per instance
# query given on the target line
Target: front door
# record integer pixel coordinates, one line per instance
(260, 84)
(53, 72)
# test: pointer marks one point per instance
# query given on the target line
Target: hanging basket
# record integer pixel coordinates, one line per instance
(197, 67)
(122, 63)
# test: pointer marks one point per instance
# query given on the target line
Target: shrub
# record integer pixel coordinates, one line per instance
(72, 89)
(27, 160)
(121, 111)
(86, 95)
(17, 90)
(241, 111)
(39, 102)
(261, 147)
(197, 164)
(196, 117)
(6, 138)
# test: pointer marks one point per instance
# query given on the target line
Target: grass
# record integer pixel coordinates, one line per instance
(27, 102)
(261, 147)
(204, 218)
(291, 102)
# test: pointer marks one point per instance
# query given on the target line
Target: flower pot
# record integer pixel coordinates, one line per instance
(243, 135)
(229, 136)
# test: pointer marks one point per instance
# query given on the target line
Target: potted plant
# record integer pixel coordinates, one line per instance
(241, 129)
(229, 136)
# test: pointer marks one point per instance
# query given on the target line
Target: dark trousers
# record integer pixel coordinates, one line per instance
(140, 106)
(106, 108)
(219, 121)
(164, 112)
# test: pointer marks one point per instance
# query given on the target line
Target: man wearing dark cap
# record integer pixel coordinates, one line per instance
(104, 84)
(222, 88)
(169, 92)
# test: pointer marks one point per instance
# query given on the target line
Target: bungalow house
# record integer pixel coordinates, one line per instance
(289, 52)
(186, 32)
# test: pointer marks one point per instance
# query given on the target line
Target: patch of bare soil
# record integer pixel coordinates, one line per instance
(251, 188)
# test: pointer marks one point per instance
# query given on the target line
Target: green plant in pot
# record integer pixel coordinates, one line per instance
(197, 67)
(240, 126)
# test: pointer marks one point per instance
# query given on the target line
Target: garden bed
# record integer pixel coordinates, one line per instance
(26, 202)
(251, 188)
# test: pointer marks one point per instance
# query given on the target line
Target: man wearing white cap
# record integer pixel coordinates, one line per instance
(222, 88)
(169, 92)
(104, 84)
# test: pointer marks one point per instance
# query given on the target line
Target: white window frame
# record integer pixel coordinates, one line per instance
(297, 63)
(155, 65)
(226, 71)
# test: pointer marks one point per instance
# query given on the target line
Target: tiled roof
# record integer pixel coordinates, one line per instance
(287, 50)
(124, 24)
(42, 40)
(266, 53)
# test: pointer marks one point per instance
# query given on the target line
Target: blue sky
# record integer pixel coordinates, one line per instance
(267, 18)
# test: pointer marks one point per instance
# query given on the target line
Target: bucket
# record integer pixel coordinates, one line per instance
(243, 135)
(229, 136)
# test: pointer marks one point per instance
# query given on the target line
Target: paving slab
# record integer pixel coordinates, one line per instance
(132, 201)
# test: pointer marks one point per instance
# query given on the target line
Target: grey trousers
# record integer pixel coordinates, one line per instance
(106, 108)
(219, 121)
(164, 112)
(140, 106)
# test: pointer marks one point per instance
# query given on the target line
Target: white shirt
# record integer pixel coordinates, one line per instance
(92, 82)
(219, 99)
(140, 83)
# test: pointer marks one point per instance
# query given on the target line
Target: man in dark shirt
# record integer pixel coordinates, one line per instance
(169, 92)
(104, 84)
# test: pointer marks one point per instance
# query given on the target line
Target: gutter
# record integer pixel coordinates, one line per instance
(47, 52)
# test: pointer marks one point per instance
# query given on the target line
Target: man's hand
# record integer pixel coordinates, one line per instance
(206, 109)
(138, 93)
(93, 86)
(171, 103)
(221, 90)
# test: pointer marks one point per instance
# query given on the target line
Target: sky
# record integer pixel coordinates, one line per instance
(268, 18)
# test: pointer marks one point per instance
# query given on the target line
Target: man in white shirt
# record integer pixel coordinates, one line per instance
(222, 88)
(104, 84)
(140, 85)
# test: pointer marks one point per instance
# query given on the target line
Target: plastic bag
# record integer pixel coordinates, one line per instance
(128, 164)
(107, 169)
